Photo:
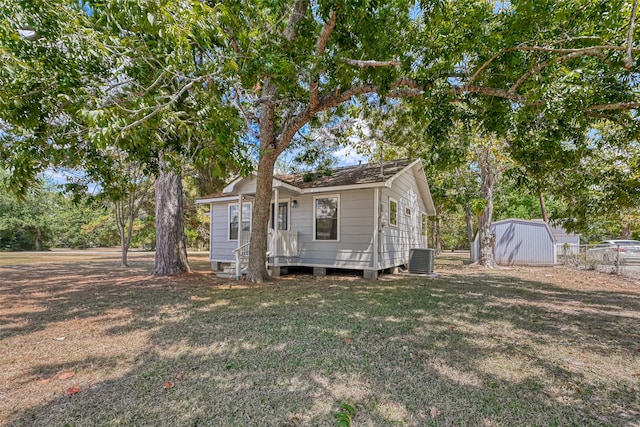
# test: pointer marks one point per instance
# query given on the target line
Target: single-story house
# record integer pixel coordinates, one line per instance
(526, 242)
(365, 217)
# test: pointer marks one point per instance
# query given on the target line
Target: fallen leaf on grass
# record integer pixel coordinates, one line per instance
(66, 375)
(434, 412)
(347, 340)
(413, 356)
(168, 385)
(73, 390)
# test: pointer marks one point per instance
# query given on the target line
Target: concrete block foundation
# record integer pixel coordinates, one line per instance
(319, 271)
(370, 274)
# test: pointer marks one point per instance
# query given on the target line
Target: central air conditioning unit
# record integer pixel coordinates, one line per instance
(421, 261)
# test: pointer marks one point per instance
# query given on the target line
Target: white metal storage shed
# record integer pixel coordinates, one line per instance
(521, 242)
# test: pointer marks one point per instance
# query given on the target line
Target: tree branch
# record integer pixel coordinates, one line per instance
(239, 106)
(371, 63)
(405, 81)
(161, 107)
(490, 91)
(545, 64)
(154, 84)
(327, 29)
(592, 50)
(321, 46)
(403, 87)
(629, 60)
(234, 42)
(314, 99)
(617, 106)
(299, 10)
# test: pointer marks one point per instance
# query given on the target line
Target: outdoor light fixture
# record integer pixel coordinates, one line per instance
(294, 203)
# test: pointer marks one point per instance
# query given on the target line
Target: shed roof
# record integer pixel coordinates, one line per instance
(527, 222)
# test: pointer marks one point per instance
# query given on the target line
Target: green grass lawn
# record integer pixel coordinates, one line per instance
(468, 348)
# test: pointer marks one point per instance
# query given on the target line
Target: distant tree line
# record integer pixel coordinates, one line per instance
(47, 218)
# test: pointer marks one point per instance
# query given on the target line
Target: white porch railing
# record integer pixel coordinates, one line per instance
(239, 252)
(244, 245)
(279, 243)
(283, 243)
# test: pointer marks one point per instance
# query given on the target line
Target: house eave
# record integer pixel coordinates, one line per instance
(279, 183)
(276, 182)
(216, 200)
(423, 184)
(333, 189)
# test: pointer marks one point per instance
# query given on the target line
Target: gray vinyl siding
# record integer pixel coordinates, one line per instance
(355, 246)
(397, 240)
(221, 247)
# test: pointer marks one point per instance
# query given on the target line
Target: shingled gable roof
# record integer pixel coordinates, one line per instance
(364, 174)
(347, 175)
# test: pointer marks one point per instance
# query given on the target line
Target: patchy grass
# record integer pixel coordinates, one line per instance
(508, 347)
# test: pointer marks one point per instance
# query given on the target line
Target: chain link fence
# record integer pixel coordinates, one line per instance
(612, 259)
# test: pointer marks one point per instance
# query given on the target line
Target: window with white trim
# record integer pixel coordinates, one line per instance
(234, 219)
(393, 212)
(326, 218)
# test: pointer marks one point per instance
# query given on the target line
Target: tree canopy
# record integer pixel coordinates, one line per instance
(210, 83)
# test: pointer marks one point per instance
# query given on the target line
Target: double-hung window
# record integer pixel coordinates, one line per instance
(234, 219)
(326, 217)
(282, 215)
(393, 212)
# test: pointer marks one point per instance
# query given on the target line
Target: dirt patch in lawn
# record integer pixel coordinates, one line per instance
(85, 342)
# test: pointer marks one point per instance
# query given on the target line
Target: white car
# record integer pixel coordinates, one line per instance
(615, 252)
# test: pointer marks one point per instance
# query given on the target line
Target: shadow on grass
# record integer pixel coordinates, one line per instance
(458, 350)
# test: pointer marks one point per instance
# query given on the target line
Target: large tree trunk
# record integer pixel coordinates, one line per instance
(625, 231)
(123, 249)
(437, 233)
(120, 212)
(38, 239)
(257, 271)
(260, 222)
(486, 237)
(171, 248)
(469, 220)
